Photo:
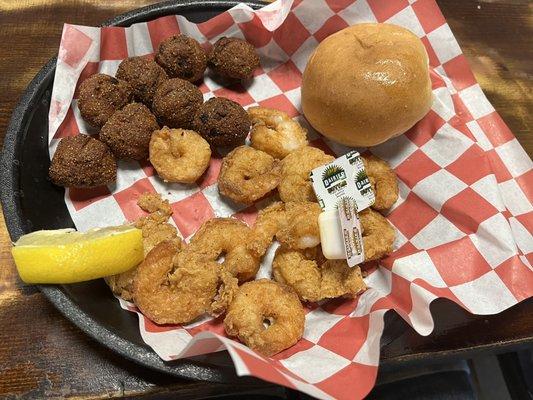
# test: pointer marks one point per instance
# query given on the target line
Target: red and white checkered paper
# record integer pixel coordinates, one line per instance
(464, 217)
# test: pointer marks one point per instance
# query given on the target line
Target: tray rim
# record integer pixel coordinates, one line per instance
(9, 197)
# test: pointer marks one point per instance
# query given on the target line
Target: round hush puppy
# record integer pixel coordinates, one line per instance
(222, 122)
(100, 96)
(82, 162)
(175, 102)
(233, 58)
(182, 57)
(128, 131)
(143, 75)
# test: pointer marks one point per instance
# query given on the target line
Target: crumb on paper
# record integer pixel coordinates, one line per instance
(152, 202)
(154, 226)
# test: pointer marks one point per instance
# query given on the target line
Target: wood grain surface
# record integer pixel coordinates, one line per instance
(43, 354)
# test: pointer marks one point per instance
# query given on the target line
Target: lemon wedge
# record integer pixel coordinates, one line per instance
(68, 256)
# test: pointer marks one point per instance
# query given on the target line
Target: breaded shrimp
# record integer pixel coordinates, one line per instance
(155, 229)
(179, 155)
(275, 133)
(383, 181)
(267, 224)
(266, 316)
(296, 167)
(315, 278)
(248, 175)
(378, 234)
(227, 237)
(294, 225)
(154, 226)
(169, 292)
(299, 229)
(227, 288)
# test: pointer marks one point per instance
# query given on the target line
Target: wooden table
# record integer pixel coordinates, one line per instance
(43, 354)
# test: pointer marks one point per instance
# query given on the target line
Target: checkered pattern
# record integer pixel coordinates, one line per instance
(464, 218)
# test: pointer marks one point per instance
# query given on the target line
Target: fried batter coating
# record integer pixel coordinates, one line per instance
(179, 155)
(315, 278)
(155, 205)
(154, 226)
(296, 167)
(275, 133)
(227, 288)
(233, 58)
(383, 181)
(294, 225)
(264, 302)
(267, 224)
(378, 234)
(122, 284)
(226, 237)
(82, 161)
(155, 232)
(299, 229)
(144, 76)
(248, 175)
(100, 96)
(155, 229)
(182, 57)
(169, 292)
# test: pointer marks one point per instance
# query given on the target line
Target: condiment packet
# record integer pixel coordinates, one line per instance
(343, 185)
(343, 177)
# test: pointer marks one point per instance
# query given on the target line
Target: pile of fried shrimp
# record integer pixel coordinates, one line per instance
(215, 271)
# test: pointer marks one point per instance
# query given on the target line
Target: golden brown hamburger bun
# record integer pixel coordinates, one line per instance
(366, 84)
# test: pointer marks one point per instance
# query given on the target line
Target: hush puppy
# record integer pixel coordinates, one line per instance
(182, 57)
(143, 75)
(222, 122)
(233, 58)
(128, 131)
(82, 162)
(100, 96)
(175, 102)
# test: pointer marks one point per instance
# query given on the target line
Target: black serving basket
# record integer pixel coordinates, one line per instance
(31, 202)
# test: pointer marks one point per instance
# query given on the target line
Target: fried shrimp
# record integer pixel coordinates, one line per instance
(122, 284)
(179, 155)
(315, 278)
(169, 292)
(227, 287)
(228, 238)
(295, 184)
(248, 175)
(383, 181)
(155, 229)
(378, 234)
(275, 133)
(266, 316)
(299, 228)
(267, 224)
(294, 225)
